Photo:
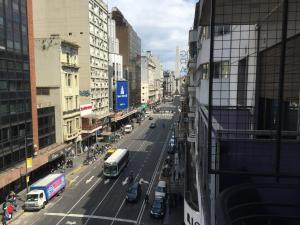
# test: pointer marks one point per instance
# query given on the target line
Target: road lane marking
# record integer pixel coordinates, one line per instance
(142, 181)
(106, 181)
(98, 181)
(118, 212)
(105, 196)
(88, 173)
(124, 182)
(159, 163)
(71, 223)
(89, 180)
(73, 180)
(64, 215)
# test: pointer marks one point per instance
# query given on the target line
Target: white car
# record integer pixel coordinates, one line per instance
(172, 142)
(161, 189)
(128, 128)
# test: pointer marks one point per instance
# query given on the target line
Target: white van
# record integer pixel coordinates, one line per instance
(161, 189)
(128, 128)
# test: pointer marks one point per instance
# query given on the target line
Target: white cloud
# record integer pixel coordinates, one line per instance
(161, 24)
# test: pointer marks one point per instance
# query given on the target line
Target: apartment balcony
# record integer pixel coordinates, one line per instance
(193, 36)
(192, 89)
(90, 123)
(73, 111)
(192, 136)
(191, 115)
(192, 64)
(70, 65)
(71, 136)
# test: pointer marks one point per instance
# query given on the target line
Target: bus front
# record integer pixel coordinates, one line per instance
(110, 169)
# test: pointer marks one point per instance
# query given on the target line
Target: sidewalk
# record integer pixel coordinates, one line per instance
(69, 172)
(174, 213)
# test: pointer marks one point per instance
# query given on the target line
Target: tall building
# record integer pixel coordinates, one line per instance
(83, 22)
(57, 83)
(130, 49)
(18, 113)
(151, 71)
(115, 70)
(242, 109)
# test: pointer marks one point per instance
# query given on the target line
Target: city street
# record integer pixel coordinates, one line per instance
(92, 199)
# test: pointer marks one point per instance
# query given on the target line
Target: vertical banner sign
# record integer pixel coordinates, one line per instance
(122, 95)
(29, 162)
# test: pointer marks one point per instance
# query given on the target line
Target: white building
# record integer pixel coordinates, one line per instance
(115, 60)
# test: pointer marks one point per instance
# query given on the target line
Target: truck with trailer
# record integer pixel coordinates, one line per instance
(44, 190)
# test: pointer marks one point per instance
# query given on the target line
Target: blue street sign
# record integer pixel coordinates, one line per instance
(122, 95)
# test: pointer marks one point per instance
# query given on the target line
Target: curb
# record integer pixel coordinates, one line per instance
(16, 217)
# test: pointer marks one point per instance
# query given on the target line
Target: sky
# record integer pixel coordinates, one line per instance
(161, 24)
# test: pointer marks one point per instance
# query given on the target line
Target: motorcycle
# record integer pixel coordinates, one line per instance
(69, 163)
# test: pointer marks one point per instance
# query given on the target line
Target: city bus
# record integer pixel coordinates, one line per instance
(116, 163)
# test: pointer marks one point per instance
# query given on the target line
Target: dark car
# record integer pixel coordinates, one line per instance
(152, 125)
(134, 192)
(150, 118)
(158, 208)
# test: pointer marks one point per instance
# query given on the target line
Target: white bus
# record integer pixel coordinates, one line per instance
(116, 163)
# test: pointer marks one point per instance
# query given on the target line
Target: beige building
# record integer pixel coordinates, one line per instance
(151, 71)
(57, 82)
(84, 22)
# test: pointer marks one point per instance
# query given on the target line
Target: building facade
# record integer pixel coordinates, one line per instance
(151, 71)
(242, 110)
(18, 113)
(87, 26)
(130, 49)
(58, 85)
(115, 62)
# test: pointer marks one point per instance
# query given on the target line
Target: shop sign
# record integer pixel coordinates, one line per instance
(86, 109)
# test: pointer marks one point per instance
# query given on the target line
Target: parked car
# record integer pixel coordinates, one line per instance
(150, 118)
(166, 171)
(152, 125)
(161, 189)
(158, 207)
(134, 192)
(128, 128)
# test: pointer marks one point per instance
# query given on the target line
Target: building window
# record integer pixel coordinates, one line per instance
(77, 123)
(221, 70)
(75, 78)
(76, 102)
(222, 30)
(68, 80)
(204, 70)
(43, 91)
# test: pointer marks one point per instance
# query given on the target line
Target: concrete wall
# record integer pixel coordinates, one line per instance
(66, 18)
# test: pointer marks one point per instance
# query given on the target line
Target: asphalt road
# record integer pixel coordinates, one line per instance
(92, 199)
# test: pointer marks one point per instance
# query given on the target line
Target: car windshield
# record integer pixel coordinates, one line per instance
(156, 204)
(32, 197)
(160, 189)
(132, 190)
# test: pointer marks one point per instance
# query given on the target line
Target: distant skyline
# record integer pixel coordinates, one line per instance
(161, 24)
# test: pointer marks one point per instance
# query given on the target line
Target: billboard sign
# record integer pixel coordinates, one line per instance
(122, 95)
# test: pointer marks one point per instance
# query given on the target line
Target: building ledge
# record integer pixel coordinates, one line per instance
(192, 136)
